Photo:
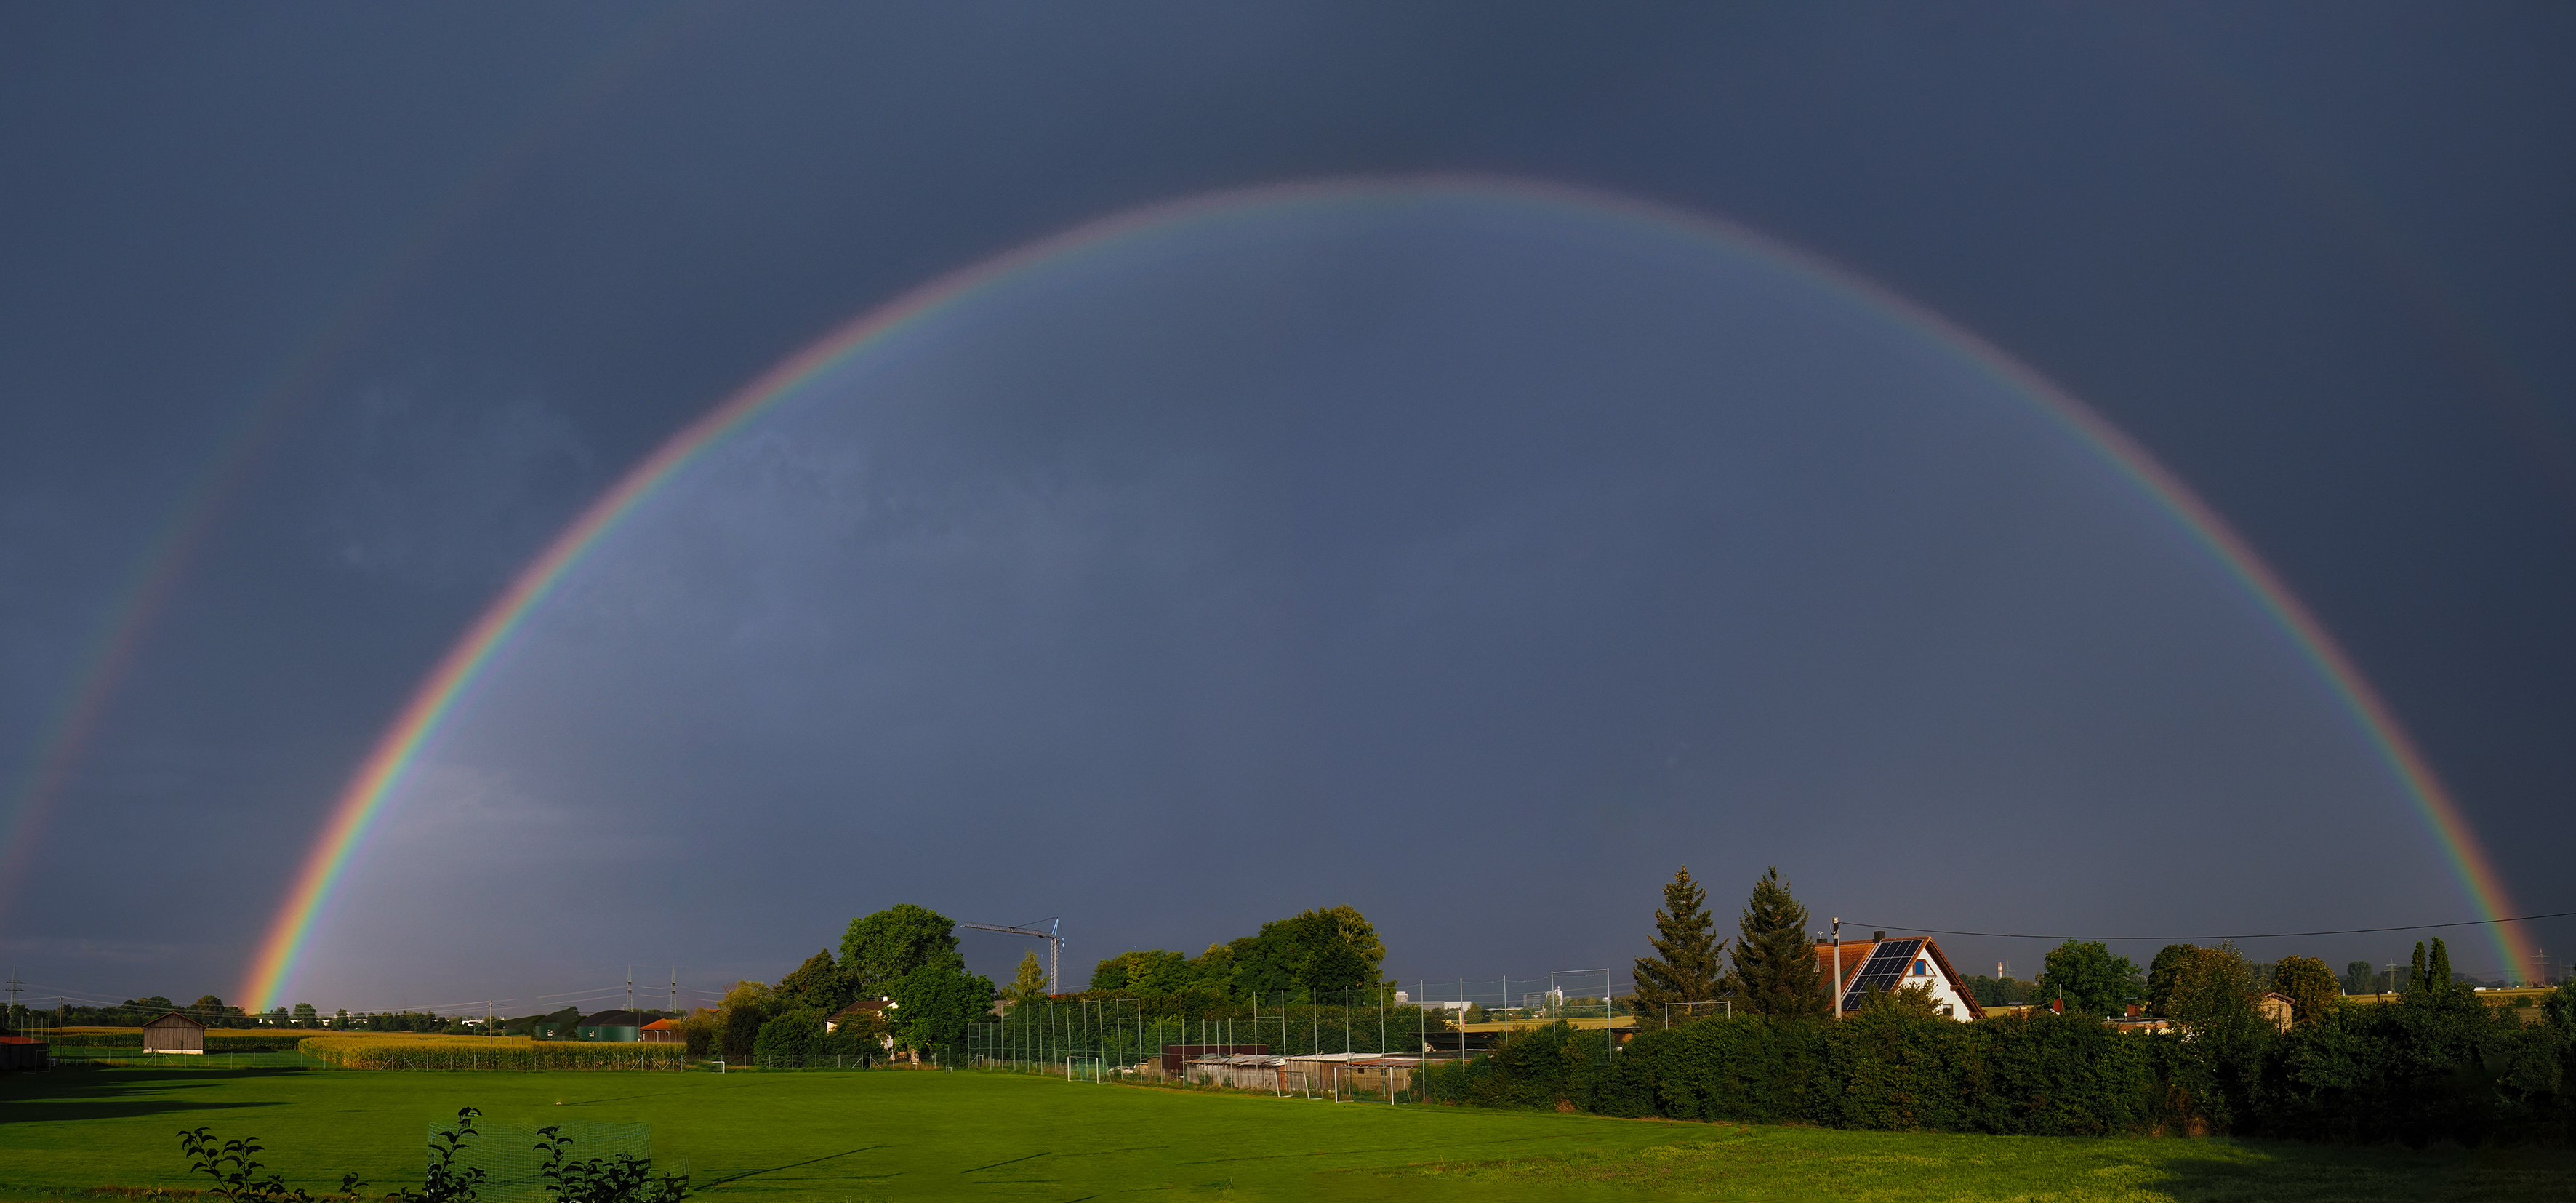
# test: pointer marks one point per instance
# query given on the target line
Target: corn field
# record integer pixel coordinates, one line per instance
(479, 1052)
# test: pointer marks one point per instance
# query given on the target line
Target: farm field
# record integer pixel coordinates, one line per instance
(924, 1135)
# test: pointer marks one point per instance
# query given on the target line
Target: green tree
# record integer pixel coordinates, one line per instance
(1911, 1002)
(739, 1017)
(2162, 972)
(1330, 949)
(787, 1039)
(2309, 985)
(1143, 971)
(819, 985)
(2220, 1065)
(2359, 978)
(306, 1016)
(1688, 965)
(208, 1009)
(933, 1005)
(698, 1033)
(2088, 977)
(2431, 978)
(1213, 971)
(1029, 985)
(1775, 957)
(894, 943)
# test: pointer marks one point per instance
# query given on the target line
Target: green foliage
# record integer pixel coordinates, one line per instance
(444, 1183)
(739, 1036)
(2217, 1067)
(306, 1016)
(2161, 973)
(1331, 949)
(2309, 985)
(2437, 1066)
(2360, 978)
(699, 1031)
(819, 985)
(1913, 1002)
(1143, 971)
(236, 1174)
(894, 943)
(1999, 991)
(1688, 964)
(2088, 977)
(1030, 983)
(1775, 957)
(2038, 1074)
(933, 1006)
(623, 1178)
(787, 1039)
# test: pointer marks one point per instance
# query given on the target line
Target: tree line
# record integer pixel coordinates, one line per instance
(1316, 952)
(905, 956)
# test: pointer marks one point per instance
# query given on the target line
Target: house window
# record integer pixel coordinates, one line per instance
(1922, 968)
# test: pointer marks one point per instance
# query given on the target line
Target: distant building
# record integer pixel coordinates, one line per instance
(864, 1007)
(21, 1052)
(618, 1027)
(2277, 1008)
(663, 1031)
(1879, 963)
(174, 1033)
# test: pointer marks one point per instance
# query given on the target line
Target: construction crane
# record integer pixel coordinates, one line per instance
(1052, 933)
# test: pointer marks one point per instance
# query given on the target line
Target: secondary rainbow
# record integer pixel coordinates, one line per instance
(127, 621)
(391, 760)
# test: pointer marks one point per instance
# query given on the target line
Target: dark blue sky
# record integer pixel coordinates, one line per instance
(1522, 559)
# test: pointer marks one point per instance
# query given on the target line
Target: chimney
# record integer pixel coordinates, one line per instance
(1879, 936)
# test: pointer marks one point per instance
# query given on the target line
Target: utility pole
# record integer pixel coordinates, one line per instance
(1837, 985)
(15, 988)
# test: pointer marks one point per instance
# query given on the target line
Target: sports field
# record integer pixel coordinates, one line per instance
(925, 1135)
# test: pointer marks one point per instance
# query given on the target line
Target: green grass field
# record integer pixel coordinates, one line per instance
(920, 1135)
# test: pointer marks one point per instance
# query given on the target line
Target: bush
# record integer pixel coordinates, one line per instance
(2436, 1066)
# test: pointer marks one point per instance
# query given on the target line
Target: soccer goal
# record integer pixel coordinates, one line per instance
(1085, 1069)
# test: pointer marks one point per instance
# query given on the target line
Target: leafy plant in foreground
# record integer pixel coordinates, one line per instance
(444, 1183)
(624, 1178)
(236, 1175)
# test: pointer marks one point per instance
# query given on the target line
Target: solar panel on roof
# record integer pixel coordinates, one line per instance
(1886, 969)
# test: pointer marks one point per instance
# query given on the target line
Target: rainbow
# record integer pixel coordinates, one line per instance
(392, 759)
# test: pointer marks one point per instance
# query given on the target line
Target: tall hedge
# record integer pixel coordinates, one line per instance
(2439, 1066)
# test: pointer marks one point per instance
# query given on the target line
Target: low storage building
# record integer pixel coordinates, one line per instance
(174, 1033)
(615, 1027)
(22, 1052)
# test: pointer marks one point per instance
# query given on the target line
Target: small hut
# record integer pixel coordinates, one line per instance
(21, 1052)
(663, 1031)
(174, 1033)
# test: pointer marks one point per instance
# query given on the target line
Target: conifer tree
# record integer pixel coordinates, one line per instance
(1030, 985)
(1687, 965)
(1775, 957)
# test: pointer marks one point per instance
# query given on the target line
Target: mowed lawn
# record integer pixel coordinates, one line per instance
(919, 1135)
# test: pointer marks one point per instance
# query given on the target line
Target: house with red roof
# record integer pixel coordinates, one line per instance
(1857, 967)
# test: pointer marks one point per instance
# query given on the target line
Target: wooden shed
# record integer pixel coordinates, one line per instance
(174, 1033)
(21, 1052)
(663, 1031)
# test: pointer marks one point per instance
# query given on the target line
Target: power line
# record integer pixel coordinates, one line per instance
(2347, 931)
